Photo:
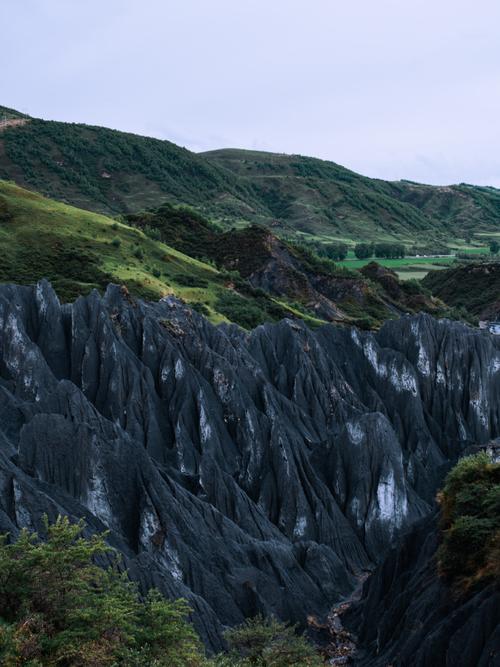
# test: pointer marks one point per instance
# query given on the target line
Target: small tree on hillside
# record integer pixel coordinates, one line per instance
(263, 642)
(494, 247)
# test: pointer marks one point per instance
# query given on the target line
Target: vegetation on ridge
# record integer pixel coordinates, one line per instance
(470, 520)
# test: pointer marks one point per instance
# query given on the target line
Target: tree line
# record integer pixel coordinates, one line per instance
(382, 250)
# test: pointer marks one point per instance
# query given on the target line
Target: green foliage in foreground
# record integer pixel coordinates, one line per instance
(59, 608)
(470, 510)
(267, 643)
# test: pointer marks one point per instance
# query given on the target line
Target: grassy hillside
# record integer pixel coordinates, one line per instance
(290, 272)
(474, 286)
(11, 114)
(323, 199)
(79, 250)
(114, 172)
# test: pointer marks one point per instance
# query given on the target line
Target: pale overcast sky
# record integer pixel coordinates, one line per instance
(390, 88)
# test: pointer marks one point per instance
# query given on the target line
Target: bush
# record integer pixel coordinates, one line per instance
(389, 250)
(152, 233)
(116, 243)
(267, 643)
(470, 520)
(190, 281)
(335, 251)
(58, 608)
(240, 310)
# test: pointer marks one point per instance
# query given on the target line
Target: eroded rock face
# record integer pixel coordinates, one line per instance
(259, 472)
(410, 617)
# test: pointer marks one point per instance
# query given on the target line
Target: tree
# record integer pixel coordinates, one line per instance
(57, 607)
(363, 250)
(263, 642)
(389, 250)
(494, 247)
(335, 251)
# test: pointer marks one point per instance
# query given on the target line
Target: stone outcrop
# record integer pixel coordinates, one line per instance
(409, 617)
(248, 472)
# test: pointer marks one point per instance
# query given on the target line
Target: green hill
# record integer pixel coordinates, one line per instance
(474, 286)
(316, 197)
(79, 250)
(114, 172)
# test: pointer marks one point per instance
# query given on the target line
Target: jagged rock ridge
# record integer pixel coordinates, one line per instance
(259, 472)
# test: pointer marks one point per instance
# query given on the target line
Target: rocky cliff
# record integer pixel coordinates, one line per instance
(410, 617)
(249, 472)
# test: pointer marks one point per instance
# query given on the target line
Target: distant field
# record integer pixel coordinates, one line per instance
(409, 267)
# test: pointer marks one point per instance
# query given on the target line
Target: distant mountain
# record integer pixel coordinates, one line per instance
(115, 172)
(320, 197)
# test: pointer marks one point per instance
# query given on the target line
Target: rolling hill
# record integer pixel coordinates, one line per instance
(80, 250)
(115, 172)
(246, 276)
(322, 198)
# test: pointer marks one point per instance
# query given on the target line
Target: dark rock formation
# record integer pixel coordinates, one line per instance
(260, 472)
(409, 617)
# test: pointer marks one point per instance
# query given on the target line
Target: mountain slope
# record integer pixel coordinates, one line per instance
(410, 617)
(113, 172)
(110, 171)
(79, 250)
(323, 198)
(249, 472)
(474, 286)
(317, 287)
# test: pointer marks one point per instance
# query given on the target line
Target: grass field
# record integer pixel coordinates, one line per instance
(411, 267)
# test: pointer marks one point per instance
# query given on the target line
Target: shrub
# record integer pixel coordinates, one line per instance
(152, 232)
(116, 243)
(470, 520)
(267, 643)
(240, 310)
(190, 281)
(200, 307)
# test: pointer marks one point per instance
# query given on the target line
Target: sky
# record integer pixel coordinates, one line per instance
(389, 88)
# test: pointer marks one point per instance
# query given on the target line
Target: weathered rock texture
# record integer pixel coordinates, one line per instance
(257, 472)
(409, 617)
